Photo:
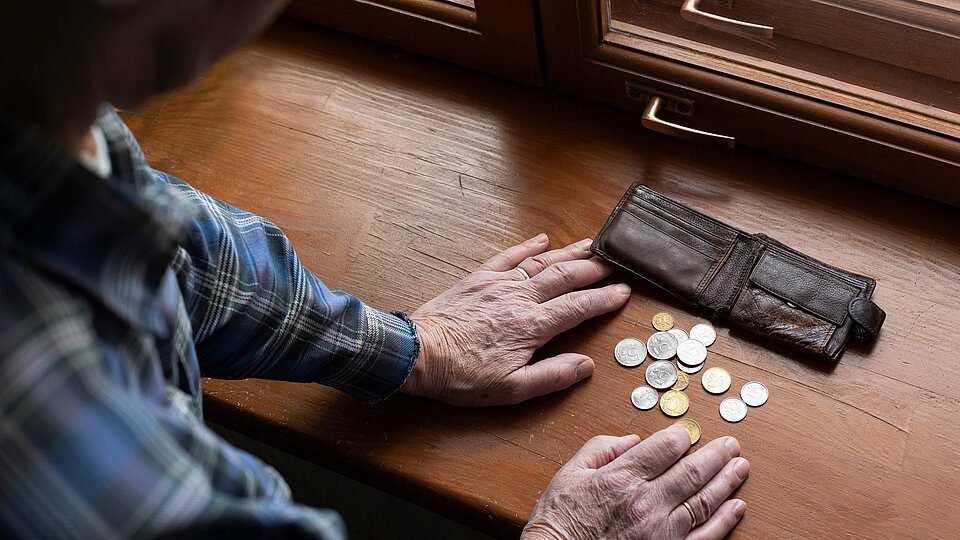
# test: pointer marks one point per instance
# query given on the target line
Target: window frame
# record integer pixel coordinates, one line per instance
(584, 58)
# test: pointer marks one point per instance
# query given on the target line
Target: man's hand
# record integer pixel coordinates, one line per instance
(620, 487)
(478, 337)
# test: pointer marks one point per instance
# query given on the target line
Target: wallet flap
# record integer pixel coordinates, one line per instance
(868, 316)
(817, 292)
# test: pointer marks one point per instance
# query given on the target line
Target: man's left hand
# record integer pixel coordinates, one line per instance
(478, 337)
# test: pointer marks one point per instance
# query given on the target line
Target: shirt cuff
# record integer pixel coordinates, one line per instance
(389, 348)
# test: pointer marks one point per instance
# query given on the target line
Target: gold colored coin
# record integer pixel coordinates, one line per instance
(693, 427)
(716, 380)
(683, 380)
(674, 403)
(663, 321)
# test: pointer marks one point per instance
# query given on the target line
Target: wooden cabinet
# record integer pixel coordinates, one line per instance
(866, 87)
(497, 36)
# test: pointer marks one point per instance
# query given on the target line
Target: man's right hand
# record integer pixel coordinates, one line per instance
(622, 487)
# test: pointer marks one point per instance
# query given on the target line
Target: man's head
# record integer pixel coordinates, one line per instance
(61, 58)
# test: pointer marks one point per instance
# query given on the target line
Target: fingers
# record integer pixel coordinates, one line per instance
(718, 489)
(693, 472)
(721, 523)
(566, 276)
(601, 450)
(656, 453)
(569, 310)
(547, 375)
(509, 258)
(538, 263)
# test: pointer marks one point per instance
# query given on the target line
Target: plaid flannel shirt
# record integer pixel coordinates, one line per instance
(116, 296)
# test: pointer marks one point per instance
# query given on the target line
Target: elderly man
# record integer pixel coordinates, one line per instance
(120, 286)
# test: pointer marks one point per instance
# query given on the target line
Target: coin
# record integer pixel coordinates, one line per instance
(690, 370)
(644, 397)
(733, 409)
(715, 380)
(674, 403)
(661, 374)
(754, 394)
(693, 427)
(630, 352)
(663, 321)
(683, 381)
(691, 352)
(662, 345)
(704, 333)
(678, 333)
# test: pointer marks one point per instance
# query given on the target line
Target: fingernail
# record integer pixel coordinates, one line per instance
(584, 369)
(739, 509)
(733, 446)
(622, 288)
(742, 468)
(585, 244)
(540, 238)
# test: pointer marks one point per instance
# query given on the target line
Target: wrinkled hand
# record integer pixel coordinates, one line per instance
(478, 337)
(620, 487)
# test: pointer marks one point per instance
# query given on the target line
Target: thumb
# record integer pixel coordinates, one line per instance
(549, 375)
(601, 450)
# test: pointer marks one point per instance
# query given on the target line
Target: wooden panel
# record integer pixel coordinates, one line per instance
(396, 175)
(496, 36)
(842, 132)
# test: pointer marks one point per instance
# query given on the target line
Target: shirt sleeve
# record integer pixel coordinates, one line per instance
(90, 451)
(257, 312)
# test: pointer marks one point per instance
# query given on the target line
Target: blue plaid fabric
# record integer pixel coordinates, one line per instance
(116, 296)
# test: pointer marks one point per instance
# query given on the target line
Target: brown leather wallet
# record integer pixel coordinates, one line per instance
(751, 280)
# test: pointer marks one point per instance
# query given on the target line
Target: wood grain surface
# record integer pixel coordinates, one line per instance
(396, 175)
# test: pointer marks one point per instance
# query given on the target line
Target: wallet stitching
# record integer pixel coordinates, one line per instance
(665, 212)
(744, 276)
(665, 201)
(843, 275)
(822, 348)
(668, 235)
(717, 269)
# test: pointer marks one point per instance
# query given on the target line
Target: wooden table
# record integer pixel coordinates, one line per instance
(396, 175)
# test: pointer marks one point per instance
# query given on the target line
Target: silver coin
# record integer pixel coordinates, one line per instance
(754, 394)
(662, 374)
(644, 397)
(630, 352)
(689, 370)
(704, 333)
(679, 333)
(691, 352)
(662, 345)
(733, 409)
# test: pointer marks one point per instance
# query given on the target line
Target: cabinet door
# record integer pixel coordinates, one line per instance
(869, 87)
(497, 36)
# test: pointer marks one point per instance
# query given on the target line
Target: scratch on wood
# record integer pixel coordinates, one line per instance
(321, 137)
(575, 220)
(424, 253)
(508, 441)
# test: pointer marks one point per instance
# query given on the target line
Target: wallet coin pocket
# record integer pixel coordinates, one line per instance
(793, 301)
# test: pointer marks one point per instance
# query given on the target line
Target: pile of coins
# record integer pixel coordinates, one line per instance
(662, 374)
